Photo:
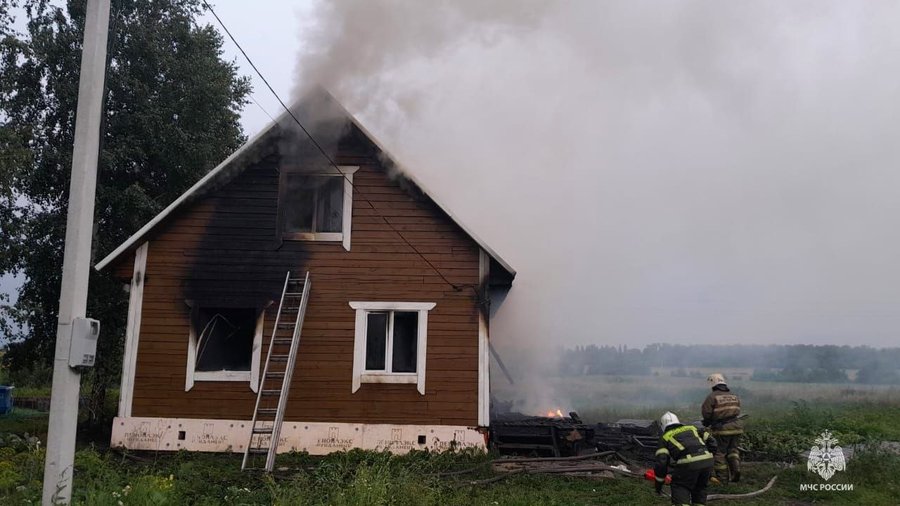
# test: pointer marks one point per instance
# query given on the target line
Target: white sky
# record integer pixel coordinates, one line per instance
(693, 171)
(267, 30)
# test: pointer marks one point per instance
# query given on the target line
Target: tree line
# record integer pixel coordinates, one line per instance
(792, 363)
(171, 113)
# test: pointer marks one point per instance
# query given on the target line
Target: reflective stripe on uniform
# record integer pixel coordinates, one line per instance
(662, 451)
(670, 436)
(661, 480)
(694, 458)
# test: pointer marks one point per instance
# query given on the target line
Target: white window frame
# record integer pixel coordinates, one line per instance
(251, 376)
(343, 171)
(360, 374)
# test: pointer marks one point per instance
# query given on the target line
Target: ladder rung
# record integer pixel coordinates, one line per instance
(259, 451)
(263, 430)
(267, 411)
(286, 325)
(283, 340)
(278, 358)
(271, 392)
(293, 294)
(275, 374)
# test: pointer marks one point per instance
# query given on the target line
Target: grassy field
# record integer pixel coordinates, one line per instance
(785, 420)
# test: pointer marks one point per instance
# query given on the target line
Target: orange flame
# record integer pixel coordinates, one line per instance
(557, 413)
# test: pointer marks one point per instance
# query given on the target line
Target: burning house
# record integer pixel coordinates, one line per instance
(330, 283)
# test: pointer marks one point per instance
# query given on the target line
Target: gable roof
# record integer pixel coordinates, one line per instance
(238, 161)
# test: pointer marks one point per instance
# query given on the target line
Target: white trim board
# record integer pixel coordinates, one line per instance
(360, 374)
(316, 438)
(484, 357)
(133, 329)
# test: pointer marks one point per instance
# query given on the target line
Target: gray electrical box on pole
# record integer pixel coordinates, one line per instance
(83, 346)
(59, 464)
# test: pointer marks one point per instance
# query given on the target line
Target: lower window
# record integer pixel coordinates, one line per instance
(390, 343)
(224, 345)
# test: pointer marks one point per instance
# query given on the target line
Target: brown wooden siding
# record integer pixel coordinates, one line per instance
(225, 247)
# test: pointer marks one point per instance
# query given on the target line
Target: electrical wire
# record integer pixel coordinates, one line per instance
(331, 162)
(261, 108)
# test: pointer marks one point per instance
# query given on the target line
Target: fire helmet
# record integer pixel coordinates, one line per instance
(715, 379)
(667, 419)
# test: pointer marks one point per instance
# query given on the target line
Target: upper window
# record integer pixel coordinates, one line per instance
(390, 343)
(316, 206)
(224, 344)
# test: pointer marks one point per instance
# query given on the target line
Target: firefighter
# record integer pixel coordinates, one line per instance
(689, 452)
(720, 412)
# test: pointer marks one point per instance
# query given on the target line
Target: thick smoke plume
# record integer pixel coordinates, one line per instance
(694, 171)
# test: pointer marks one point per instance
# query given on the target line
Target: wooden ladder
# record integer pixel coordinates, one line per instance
(271, 398)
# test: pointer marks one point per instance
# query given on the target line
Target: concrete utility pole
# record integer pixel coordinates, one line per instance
(58, 468)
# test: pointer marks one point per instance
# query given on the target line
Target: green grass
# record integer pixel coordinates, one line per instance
(783, 423)
(369, 478)
(21, 421)
(43, 392)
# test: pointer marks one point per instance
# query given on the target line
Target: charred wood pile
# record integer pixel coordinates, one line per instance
(515, 434)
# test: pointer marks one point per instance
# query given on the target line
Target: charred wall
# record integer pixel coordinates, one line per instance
(224, 249)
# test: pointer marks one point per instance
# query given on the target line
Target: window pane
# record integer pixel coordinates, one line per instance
(376, 341)
(299, 203)
(224, 338)
(330, 205)
(406, 337)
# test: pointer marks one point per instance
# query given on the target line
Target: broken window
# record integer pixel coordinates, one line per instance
(313, 204)
(390, 343)
(224, 338)
(224, 344)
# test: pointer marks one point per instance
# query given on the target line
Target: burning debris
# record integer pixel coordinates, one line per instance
(556, 435)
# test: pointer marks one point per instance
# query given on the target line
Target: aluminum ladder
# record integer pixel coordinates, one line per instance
(272, 396)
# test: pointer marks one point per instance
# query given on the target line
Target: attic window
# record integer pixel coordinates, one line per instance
(316, 206)
(389, 343)
(224, 344)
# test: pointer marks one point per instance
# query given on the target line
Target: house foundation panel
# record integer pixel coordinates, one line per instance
(316, 438)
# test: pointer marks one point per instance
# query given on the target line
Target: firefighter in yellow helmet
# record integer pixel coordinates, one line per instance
(689, 452)
(721, 411)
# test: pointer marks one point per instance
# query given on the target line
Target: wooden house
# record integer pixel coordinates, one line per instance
(393, 351)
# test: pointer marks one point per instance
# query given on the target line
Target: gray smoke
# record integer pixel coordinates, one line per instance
(694, 171)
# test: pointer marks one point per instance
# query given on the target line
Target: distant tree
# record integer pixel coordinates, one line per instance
(171, 113)
(879, 372)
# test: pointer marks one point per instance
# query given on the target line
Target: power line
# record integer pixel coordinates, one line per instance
(327, 156)
(261, 108)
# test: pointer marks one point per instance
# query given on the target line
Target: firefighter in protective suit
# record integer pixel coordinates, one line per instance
(720, 412)
(689, 452)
